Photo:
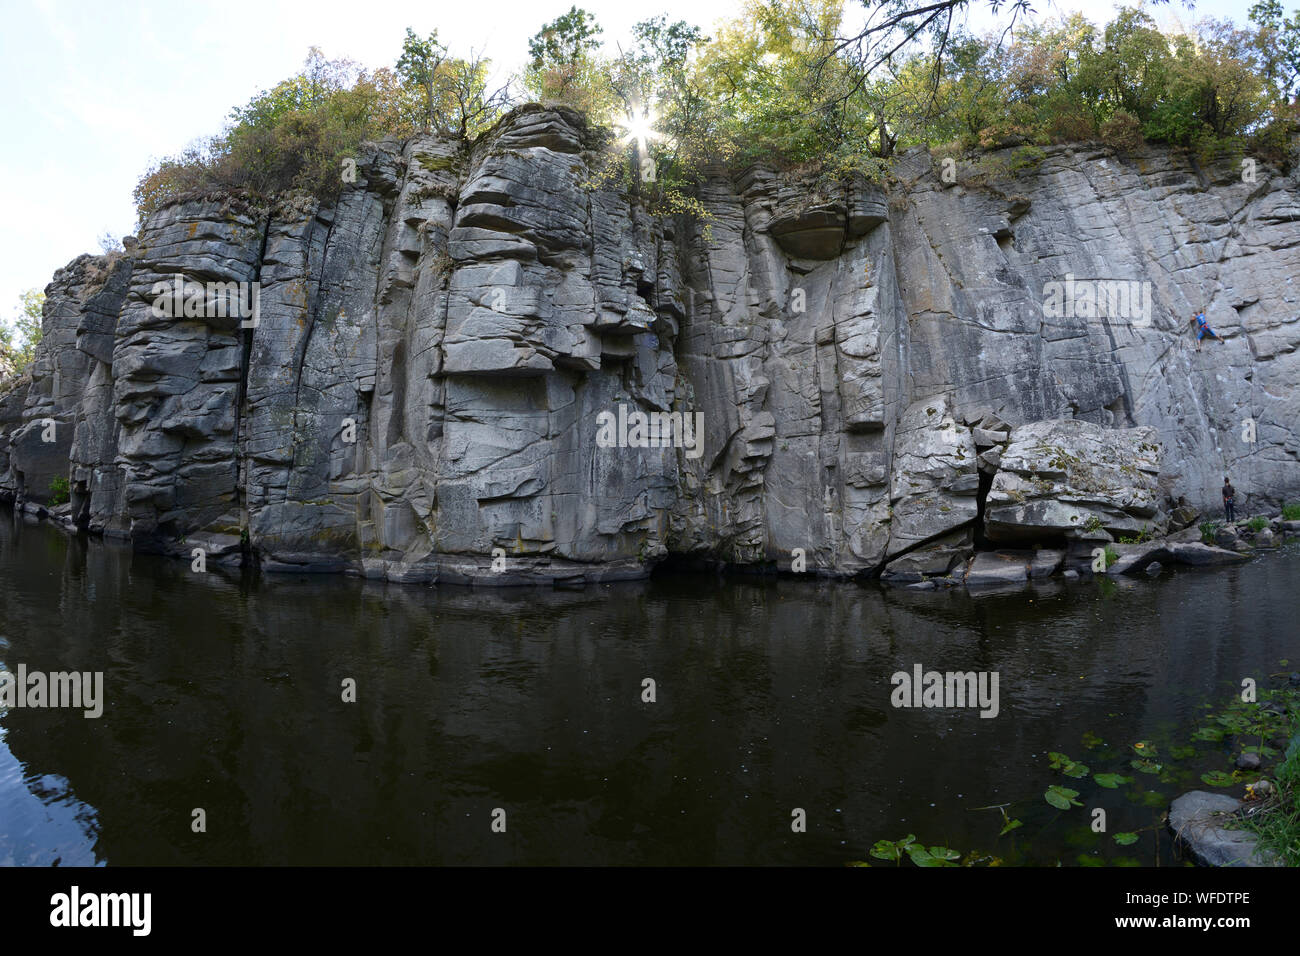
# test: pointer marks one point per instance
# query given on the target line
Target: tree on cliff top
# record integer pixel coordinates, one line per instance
(19, 338)
(445, 93)
(564, 64)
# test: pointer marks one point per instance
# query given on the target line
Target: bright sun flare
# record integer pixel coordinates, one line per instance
(640, 129)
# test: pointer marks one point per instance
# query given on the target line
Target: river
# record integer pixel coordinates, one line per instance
(224, 692)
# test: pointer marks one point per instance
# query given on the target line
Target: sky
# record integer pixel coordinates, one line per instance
(94, 90)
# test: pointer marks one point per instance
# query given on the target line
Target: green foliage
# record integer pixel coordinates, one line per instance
(1071, 768)
(1218, 778)
(565, 39)
(1111, 556)
(892, 849)
(928, 856)
(1209, 529)
(1257, 523)
(18, 343)
(1141, 537)
(778, 84)
(1061, 797)
(932, 855)
(1291, 512)
(1277, 823)
(564, 65)
(1092, 525)
(291, 137)
(58, 492)
(296, 135)
(1111, 781)
(441, 92)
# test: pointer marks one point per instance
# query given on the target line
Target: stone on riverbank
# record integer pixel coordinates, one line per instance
(1197, 819)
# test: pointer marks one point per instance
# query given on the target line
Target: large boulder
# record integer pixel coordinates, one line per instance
(1067, 475)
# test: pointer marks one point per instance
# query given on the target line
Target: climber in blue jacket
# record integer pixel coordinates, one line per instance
(1202, 330)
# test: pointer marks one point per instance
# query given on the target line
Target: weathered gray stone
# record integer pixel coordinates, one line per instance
(998, 567)
(1045, 563)
(934, 465)
(1068, 475)
(1202, 555)
(938, 557)
(1183, 517)
(1197, 820)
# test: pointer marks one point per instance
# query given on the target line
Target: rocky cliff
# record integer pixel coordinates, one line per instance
(879, 370)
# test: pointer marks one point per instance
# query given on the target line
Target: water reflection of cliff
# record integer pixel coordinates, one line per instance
(225, 693)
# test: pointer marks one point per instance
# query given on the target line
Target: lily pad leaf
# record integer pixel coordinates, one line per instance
(1061, 797)
(932, 856)
(1124, 839)
(1110, 781)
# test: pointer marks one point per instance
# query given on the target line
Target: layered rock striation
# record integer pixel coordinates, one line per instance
(885, 374)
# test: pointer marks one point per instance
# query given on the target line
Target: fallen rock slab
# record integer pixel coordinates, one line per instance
(998, 567)
(1203, 555)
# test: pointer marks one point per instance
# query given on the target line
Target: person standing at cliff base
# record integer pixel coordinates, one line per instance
(1202, 329)
(1229, 500)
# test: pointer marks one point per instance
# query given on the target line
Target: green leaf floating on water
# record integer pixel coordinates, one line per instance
(1146, 766)
(1009, 826)
(1218, 778)
(1264, 750)
(1213, 734)
(1145, 748)
(1110, 780)
(932, 856)
(1071, 768)
(1124, 839)
(892, 849)
(1091, 740)
(1148, 798)
(1061, 797)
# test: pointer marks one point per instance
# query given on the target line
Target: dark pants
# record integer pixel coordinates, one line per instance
(1230, 508)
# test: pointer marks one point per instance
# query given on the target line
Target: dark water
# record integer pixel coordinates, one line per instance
(225, 693)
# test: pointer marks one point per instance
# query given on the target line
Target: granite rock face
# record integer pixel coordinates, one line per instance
(482, 365)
